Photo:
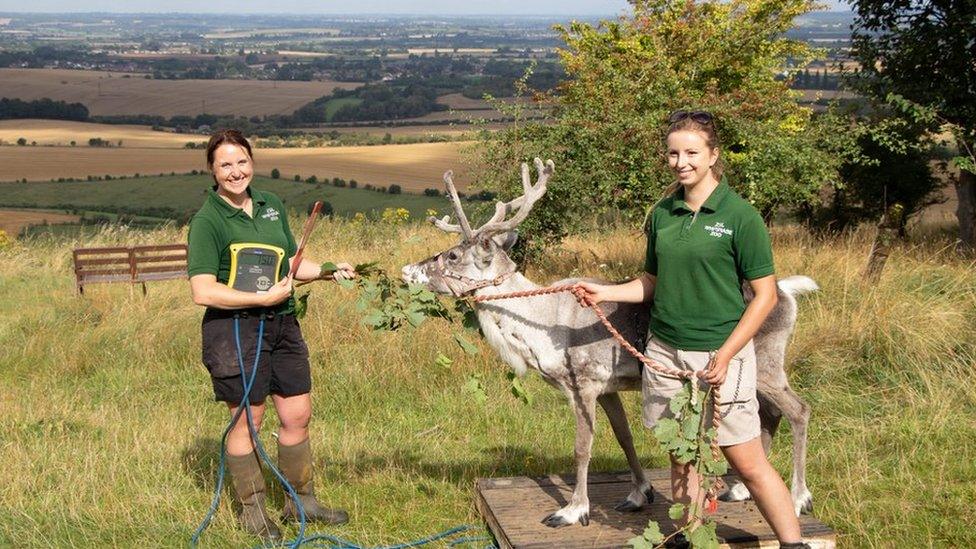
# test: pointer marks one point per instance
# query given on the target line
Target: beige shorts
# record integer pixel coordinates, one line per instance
(738, 406)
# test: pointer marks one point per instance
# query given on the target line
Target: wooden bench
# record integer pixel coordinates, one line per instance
(135, 264)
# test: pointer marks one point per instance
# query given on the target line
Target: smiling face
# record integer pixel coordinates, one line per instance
(232, 170)
(690, 157)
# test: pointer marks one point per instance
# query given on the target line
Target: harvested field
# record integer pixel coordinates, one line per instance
(413, 167)
(63, 132)
(452, 130)
(107, 93)
(13, 221)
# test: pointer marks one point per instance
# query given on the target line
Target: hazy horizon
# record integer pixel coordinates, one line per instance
(554, 8)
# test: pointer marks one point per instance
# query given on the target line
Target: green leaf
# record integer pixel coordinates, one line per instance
(415, 318)
(689, 426)
(704, 537)
(301, 305)
(366, 269)
(640, 543)
(666, 430)
(375, 319)
(329, 267)
(443, 361)
(346, 284)
(653, 533)
(474, 387)
(518, 389)
(680, 398)
(466, 345)
(677, 511)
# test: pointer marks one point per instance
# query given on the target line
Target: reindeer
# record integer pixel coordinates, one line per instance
(572, 351)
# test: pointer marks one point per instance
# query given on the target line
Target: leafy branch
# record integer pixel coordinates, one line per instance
(686, 437)
(390, 304)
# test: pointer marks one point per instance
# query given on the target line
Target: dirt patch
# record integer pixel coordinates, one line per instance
(13, 221)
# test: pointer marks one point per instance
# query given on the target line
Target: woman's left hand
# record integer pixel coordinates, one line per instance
(718, 368)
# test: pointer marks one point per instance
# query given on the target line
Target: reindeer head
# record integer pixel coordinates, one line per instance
(481, 258)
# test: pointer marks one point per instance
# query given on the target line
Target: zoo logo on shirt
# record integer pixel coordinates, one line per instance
(270, 214)
(718, 230)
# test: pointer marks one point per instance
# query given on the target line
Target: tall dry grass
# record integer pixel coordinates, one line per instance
(109, 434)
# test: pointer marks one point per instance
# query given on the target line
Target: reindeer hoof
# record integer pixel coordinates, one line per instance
(649, 494)
(584, 519)
(627, 506)
(555, 521)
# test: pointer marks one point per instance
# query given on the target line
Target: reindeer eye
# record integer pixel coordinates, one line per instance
(452, 255)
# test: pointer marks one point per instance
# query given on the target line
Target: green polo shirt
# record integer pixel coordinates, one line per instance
(217, 225)
(700, 260)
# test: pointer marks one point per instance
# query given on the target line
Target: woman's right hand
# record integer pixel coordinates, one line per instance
(277, 293)
(594, 293)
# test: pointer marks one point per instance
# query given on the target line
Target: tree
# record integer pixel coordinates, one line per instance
(275, 174)
(922, 51)
(608, 119)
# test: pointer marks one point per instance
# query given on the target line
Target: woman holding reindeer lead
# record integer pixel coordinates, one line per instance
(239, 255)
(703, 241)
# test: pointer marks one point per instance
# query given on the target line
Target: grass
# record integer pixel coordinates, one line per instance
(183, 194)
(110, 435)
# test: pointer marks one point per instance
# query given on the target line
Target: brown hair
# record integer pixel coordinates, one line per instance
(221, 137)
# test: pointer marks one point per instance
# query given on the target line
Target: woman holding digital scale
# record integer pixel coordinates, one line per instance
(239, 259)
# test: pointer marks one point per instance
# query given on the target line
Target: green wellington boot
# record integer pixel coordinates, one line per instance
(295, 463)
(245, 472)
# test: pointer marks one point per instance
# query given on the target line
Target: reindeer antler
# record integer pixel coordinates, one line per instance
(443, 224)
(523, 204)
(497, 224)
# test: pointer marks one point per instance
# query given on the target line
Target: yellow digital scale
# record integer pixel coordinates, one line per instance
(254, 267)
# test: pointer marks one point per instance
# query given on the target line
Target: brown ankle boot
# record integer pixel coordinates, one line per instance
(245, 472)
(295, 462)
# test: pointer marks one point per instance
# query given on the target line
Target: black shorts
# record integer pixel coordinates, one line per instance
(283, 368)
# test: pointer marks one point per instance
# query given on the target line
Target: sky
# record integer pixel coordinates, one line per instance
(326, 7)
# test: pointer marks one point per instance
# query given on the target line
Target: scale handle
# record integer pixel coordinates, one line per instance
(306, 230)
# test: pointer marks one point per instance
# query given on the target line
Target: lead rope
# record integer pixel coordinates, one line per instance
(717, 485)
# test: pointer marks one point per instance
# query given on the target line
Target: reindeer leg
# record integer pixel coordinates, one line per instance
(797, 412)
(578, 508)
(641, 494)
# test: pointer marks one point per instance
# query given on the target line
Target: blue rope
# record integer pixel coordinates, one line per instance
(246, 409)
(319, 540)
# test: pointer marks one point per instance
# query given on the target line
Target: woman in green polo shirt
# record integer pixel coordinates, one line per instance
(234, 213)
(703, 241)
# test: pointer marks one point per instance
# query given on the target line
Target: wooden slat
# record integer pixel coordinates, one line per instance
(159, 248)
(96, 272)
(96, 251)
(160, 258)
(513, 508)
(81, 263)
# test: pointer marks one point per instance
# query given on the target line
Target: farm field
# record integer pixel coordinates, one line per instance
(414, 167)
(13, 221)
(124, 450)
(63, 132)
(181, 195)
(107, 93)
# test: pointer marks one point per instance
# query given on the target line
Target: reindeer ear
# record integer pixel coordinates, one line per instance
(506, 240)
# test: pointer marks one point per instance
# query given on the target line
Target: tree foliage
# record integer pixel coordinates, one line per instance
(608, 119)
(917, 56)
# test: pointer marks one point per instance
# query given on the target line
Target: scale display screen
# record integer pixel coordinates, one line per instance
(254, 267)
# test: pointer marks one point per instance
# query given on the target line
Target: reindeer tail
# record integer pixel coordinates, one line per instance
(798, 285)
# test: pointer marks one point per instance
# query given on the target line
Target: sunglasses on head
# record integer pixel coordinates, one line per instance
(701, 117)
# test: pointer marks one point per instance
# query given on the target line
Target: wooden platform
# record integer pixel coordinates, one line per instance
(513, 508)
